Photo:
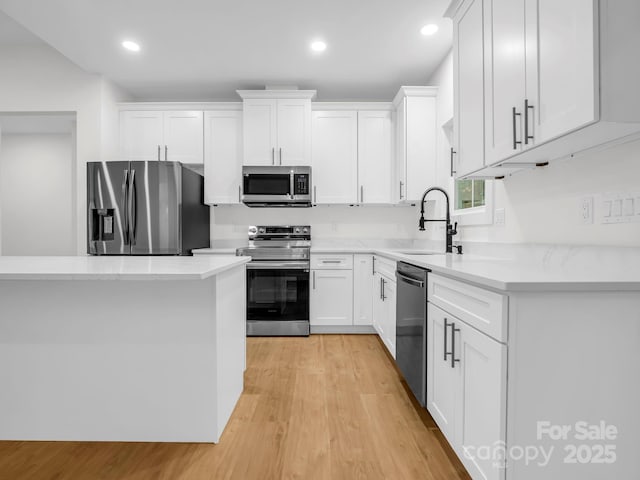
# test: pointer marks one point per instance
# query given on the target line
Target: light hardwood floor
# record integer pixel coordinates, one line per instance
(323, 407)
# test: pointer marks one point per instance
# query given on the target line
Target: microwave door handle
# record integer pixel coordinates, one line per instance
(291, 186)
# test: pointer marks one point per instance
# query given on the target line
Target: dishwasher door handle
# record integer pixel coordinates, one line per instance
(409, 280)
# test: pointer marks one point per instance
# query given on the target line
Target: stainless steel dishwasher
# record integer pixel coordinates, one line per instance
(411, 327)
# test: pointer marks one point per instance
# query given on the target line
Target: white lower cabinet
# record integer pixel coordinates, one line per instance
(384, 310)
(363, 290)
(377, 308)
(466, 390)
(331, 297)
(441, 378)
(389, 301)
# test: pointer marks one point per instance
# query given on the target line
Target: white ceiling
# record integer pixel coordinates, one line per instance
(206, 49)
(12, 33)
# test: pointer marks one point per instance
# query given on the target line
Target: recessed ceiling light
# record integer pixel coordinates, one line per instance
(131, 46)
(318, 46)
(429, 29)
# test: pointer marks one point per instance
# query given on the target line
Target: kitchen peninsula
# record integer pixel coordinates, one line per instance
(120, 348)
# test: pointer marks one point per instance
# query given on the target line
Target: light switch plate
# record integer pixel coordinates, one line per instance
(620, 207)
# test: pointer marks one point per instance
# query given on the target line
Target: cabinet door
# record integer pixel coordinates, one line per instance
(421, 151)
(294, 132)
(480, 399)
(442, 379)
(259, 131)
(505, 81)
(335, 157)
(561, 66)
(331, 299)
(183, 137)
(141, 135)
(468, 65)
(374, 156)
(378, 305)
(389, 299)
(400, 190)
(363, 292)
(223, 156)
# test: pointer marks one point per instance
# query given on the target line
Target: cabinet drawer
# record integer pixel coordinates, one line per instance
(480, 308)
(385, 267)
(333, 262)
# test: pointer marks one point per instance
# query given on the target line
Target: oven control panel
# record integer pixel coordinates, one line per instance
(279, 232)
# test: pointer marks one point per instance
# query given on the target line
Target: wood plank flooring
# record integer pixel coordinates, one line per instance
(323, 407)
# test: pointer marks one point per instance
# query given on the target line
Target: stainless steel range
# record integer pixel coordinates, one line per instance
(278, 280)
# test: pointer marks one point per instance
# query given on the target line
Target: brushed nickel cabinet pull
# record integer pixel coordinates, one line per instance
(453, 344)
(527, 107)
(516, 142)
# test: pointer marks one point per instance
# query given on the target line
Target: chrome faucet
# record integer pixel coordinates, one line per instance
(451, 230)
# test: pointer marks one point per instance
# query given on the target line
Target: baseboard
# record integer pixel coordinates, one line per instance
(346, 329)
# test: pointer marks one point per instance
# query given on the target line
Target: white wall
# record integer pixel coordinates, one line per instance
(36, 192)
(39, 79)
(326, 222)
(543, 205)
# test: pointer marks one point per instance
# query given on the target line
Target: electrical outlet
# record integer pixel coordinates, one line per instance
(586, 210)
(499, 216)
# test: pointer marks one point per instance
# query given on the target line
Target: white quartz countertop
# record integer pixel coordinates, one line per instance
(525, 274)
(116, 267)
(567, 269)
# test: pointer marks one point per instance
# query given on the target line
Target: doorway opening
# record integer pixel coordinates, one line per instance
(38, 183)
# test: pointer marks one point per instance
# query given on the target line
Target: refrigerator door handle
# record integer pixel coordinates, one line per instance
(125, 207)
(132, 208)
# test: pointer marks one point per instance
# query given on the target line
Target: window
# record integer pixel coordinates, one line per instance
(469, 194)
(472, 201)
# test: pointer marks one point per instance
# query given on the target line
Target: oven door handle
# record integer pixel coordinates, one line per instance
(267, 265)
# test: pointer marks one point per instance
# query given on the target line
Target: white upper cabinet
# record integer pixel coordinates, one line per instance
(505, 78)
(558, 79)
(277, 127)
(294, 131)
(223, 156)
(416, 145)
(183, 136)
(561, 81)
(374, 157)
(141, 135)
(468, 66)
(335, 156)
(175, 136)
(260, 126)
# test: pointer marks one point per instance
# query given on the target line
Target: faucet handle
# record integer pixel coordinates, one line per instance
(453, 230)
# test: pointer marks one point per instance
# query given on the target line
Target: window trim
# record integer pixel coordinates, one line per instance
(476, 215)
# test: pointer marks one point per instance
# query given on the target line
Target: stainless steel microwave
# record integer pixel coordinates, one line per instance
(276, 186)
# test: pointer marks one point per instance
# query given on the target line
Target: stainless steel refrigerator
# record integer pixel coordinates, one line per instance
(145, 208)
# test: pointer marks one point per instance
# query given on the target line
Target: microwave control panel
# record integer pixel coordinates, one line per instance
(301, 182)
